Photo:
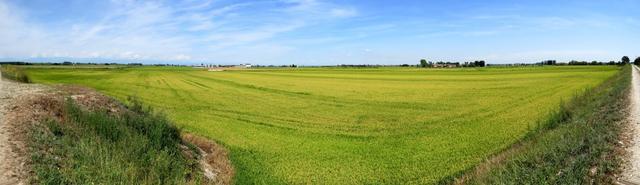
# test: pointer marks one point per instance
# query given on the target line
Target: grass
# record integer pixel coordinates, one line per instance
(345, 125)
(577, 144)
(14, 73)
(93, 147)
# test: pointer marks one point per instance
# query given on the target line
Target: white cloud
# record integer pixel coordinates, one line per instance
(181, 57)
(302, 4)
(343, 12)
(150, 30)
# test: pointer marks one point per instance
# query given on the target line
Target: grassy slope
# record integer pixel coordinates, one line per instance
(576, 147)
(94, 147)
(387, 125)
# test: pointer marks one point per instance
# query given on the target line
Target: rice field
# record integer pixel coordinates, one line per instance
(347, 125)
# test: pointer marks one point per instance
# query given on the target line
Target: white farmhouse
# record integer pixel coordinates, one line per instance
(247, 65)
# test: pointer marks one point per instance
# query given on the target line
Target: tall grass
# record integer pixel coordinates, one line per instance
(94, 147)
(14, 73)
(575, 146)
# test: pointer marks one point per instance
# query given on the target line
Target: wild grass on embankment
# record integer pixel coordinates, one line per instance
(96, 147)
(576, 145)
(14, 73)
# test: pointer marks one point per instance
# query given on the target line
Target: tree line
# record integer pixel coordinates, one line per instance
(636, 61)
(624, 61)
(481, 63)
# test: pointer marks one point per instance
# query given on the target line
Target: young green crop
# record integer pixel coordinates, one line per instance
(348, 126)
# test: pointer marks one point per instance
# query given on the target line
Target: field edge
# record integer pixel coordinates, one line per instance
(609, 95)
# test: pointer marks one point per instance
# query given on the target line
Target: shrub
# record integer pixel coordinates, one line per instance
(14, 73)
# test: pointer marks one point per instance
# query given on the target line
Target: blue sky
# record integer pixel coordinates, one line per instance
(318, 32)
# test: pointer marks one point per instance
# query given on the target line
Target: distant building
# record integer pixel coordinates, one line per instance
(244, 65)
(446, 65)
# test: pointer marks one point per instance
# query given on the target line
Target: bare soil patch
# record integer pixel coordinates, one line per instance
(214, 159)
(13, 157)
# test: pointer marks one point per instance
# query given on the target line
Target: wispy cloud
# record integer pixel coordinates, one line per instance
(343, 12)
(562, 55)
(154, 30)
(317, 31)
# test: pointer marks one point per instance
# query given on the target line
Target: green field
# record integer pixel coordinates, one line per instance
(348, 125)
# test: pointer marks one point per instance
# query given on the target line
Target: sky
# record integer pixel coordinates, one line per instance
(318, 32)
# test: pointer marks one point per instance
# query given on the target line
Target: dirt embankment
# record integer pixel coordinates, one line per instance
(13, 159)
(23, 105)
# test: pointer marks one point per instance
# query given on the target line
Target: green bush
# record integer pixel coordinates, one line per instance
(14, 73)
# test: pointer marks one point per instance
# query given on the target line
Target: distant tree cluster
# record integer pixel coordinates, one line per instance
(68, 63)
(15, 63)
(360, 65)
(477, 63)
(593, 63)
(549, 62)
(369, 65)
(160, 65)
(625, 60)
(56, 63)
(268, 66)
(581, 63)
(515, 64)
(424, 63)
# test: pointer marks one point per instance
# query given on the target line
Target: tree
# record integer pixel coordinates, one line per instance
(637, 61)
(479, 63)
(549, 62)
(423, 63)
(625, 60)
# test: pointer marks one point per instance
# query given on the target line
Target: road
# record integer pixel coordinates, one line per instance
(632, 172)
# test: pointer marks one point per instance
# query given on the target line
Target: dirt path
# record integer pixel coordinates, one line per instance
(11, 171)
(632, 172)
